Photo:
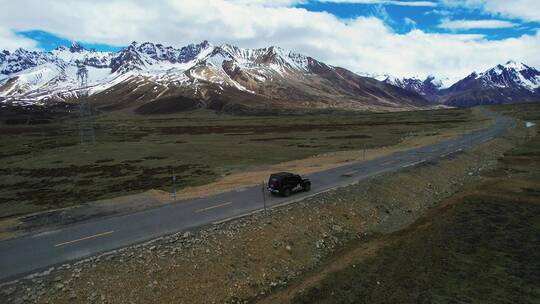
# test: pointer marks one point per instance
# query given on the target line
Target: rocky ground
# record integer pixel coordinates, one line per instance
(244, 260)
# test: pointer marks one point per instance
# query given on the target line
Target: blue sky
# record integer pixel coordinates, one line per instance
(402, 18)
(49, 41)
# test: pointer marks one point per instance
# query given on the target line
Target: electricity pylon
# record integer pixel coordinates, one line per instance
(86, 123)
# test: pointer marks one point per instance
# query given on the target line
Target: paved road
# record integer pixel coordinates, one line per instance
(33, 253)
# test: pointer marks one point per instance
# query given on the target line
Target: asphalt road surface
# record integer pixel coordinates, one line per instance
(32, 253)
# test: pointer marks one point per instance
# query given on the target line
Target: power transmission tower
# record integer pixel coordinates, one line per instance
(86, 123)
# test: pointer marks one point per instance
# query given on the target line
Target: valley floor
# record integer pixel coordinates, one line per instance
(351, 244)
(49, 179)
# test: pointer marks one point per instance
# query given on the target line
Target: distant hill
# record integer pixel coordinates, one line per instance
(503, 84)
(509, 83)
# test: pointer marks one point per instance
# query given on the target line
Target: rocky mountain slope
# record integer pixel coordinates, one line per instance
(509, 83)
(429, 87)
(152, 78)
(505, 83)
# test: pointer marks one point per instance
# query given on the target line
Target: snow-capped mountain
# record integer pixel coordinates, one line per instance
(429, 87)
(505, 83)
(22, 59)
(226, 76)
(220, 77)
(77, 53)
(156, 57)
(509, 75)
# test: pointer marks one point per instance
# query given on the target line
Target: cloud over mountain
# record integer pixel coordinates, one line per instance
(362, 43)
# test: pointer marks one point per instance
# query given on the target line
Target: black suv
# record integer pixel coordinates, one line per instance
(285, 183)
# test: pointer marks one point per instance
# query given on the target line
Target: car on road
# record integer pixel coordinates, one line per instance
(285, 183)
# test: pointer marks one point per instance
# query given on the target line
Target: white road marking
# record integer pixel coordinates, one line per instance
(213, 207)
(45, 233)
(84, 238)
(412, 164)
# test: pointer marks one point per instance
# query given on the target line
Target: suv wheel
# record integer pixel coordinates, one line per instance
(307, 187)
(286, 192)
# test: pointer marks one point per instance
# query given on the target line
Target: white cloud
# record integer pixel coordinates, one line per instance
(388, 2)
(475, 24)
(410, 22)
(364, 44)
(380, 12)
(269, 3)
(277, 3)
(10, 41)
(438, 12)
(528, 10)
(524, 9)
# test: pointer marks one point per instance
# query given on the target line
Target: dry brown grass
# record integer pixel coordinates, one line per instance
(308, 165)
(155, 197)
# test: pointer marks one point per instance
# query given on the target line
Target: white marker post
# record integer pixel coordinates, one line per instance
(264, 197)
(528, 125)
(174, 186)
(364, 157)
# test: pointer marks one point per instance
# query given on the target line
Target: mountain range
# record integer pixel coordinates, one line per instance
(503, 84)
(153, 78)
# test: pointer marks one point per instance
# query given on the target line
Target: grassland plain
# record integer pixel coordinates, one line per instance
(247, 259)
(43, 166)
(481, 246)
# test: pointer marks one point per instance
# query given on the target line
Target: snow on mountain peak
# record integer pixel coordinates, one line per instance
(21, 59)
(76, 48)
(225, 64)
(41, 73)
(504, 83)
(511, 64)
(511, 75)
(273, 57)
(427, 87)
